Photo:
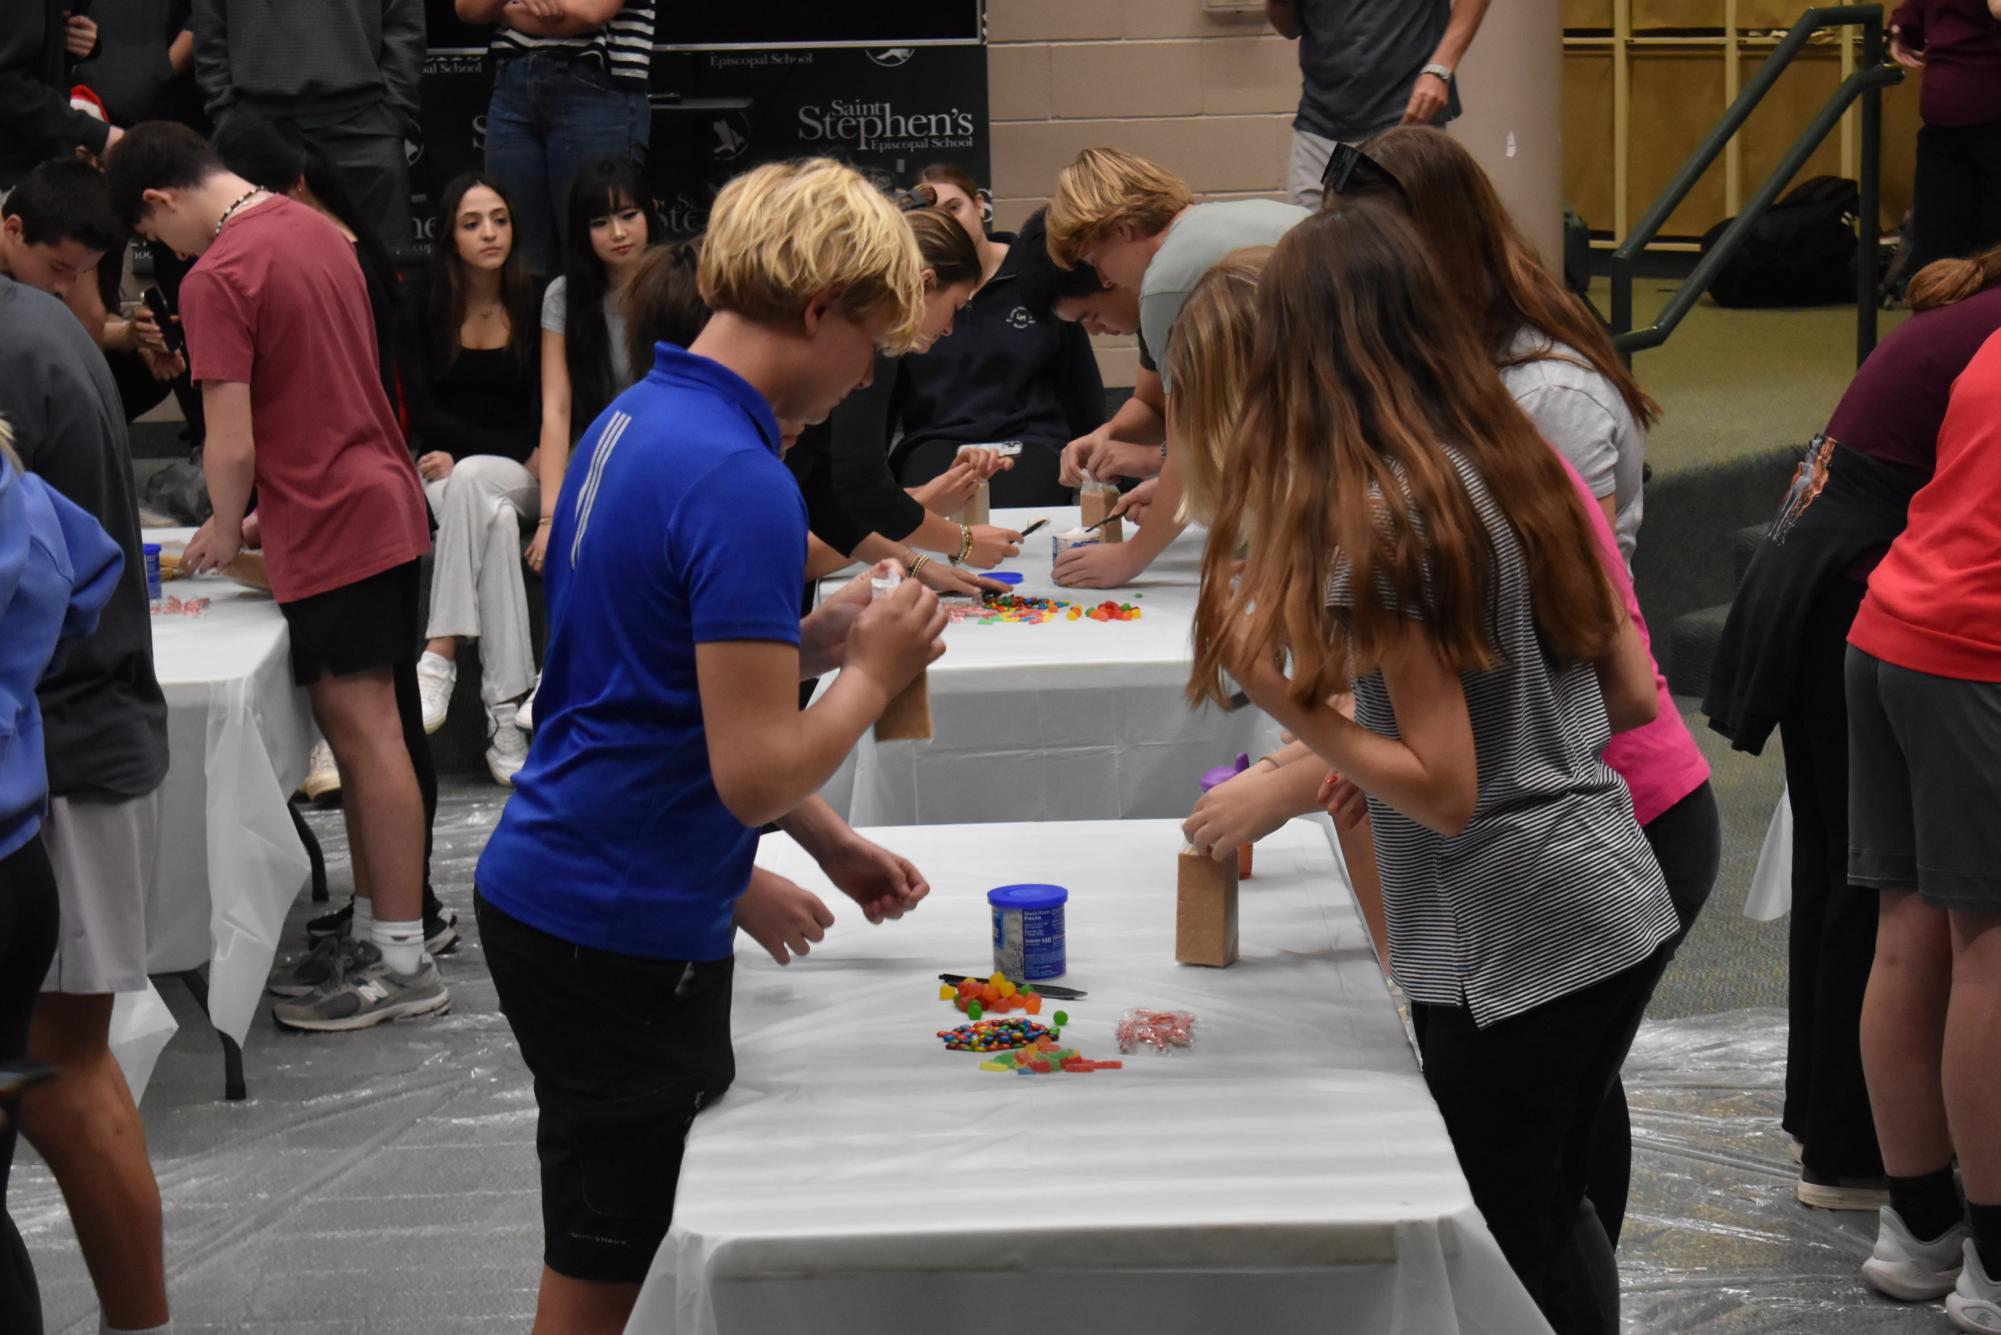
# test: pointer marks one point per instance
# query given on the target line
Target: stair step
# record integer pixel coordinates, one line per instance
(1692, 641)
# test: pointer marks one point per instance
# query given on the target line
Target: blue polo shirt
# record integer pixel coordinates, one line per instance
(678, 526)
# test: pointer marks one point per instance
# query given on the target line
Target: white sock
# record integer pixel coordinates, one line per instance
(106, 1328)
(364, 919)
(401, 944)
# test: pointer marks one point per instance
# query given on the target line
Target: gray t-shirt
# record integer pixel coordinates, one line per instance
(104, 719)
(555, 312)
(1195, 241)
(1358, 60)
(1585, 417)
(1551, 887)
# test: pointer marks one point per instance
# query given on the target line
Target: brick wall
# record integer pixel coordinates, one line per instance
(1209, 94)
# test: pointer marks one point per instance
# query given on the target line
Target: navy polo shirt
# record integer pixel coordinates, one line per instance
(678, 526)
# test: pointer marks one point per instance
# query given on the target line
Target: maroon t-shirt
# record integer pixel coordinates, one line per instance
(278, 303)
(1961, 42)
(1895, 405)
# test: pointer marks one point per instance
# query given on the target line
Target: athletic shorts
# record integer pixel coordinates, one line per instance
(372, 623)
(1924, 784)
(624, 1052)
(106, 855)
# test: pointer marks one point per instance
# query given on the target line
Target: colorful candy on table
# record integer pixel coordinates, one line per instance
(1160, 1030)
(977, 997)
(1046, 1057)
(172, 606)
(998, 1035)
(1023, 609)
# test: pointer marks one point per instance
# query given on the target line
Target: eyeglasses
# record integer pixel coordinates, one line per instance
(1351, 172)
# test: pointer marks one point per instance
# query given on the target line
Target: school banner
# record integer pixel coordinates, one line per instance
(889, 86)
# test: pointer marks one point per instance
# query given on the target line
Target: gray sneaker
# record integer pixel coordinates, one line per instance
(367, 993)
(330, 957)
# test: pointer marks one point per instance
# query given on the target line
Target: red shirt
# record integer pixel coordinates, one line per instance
(1934, 604)
(278, 303)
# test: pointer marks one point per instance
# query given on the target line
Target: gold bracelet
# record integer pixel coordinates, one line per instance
(965, 545)
(917, 563)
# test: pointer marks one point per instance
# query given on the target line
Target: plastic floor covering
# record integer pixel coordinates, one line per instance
(385, 1182)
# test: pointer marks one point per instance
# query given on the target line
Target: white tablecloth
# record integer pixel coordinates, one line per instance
(1067, 720)
(1289, 1173)
(239, 730)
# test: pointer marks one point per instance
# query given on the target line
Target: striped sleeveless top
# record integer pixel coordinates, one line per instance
(623, 48)
(1551, 887)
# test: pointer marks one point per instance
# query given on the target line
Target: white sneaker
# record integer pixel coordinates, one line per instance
(1976, 1303)
(436, 675)
(524, 717)
(322, 775)
(507, 748)
(1903, 1267)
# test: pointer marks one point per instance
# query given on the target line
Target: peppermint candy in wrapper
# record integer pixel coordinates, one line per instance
(1160, 1030)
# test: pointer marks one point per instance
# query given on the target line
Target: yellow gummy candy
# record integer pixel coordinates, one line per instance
(1006, 988)
(946, 992)
(998, 979)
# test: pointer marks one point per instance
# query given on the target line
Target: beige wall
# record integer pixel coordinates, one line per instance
(1209, 95)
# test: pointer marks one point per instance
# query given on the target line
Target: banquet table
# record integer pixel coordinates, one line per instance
(232, 853)
(1288, 1172)
(1067, 720)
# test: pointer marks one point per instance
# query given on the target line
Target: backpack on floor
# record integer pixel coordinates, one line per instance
(1801, 253)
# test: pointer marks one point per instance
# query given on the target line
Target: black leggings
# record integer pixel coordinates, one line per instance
(28, 914)
(1521, 1100)
(1687, 840)
(410, 712)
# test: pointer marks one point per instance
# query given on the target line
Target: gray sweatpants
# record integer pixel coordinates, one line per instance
(477, 589)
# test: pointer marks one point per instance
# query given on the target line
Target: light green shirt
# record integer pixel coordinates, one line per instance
(1195, 242)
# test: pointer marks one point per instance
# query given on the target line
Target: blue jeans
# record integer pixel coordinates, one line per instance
(549, 116)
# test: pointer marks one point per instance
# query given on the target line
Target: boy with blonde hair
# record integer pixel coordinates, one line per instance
(1139, 226)
(668, 725)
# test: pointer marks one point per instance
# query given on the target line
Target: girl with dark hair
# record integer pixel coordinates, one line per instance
(275, 155)
(468, 360)
(585, 357)
(1012, 371)
(1418, 543)
(854, 503)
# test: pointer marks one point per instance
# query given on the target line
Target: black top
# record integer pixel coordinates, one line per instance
(1007, 372)
(104, 718)
(482, 404)
(129, 69)
(34, 91)
(382, 283)
(843, 466)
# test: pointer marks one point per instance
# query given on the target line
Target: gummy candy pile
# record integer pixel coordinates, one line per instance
(995, 607)
(1045, 1057)
(995, 995)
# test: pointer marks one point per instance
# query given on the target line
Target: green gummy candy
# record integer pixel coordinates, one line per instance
(974, 1011)
(1061, 1017)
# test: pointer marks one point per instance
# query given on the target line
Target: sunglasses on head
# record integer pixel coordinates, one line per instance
(1352, 173)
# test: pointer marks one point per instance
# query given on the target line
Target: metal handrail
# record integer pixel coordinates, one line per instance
(1865, 84)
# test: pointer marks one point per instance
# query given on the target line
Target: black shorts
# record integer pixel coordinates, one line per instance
(371, 623)
(624, 1051)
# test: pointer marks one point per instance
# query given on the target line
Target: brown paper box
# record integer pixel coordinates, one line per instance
(907, 717)
(1205, 911)
(1096, 502)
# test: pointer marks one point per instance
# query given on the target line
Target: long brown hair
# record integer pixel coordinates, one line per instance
(1208, 361)
(448, 284)
(1489, 267)
(1943, 282)
(1363, 373)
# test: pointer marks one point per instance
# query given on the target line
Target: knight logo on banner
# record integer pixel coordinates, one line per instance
(893, 56)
